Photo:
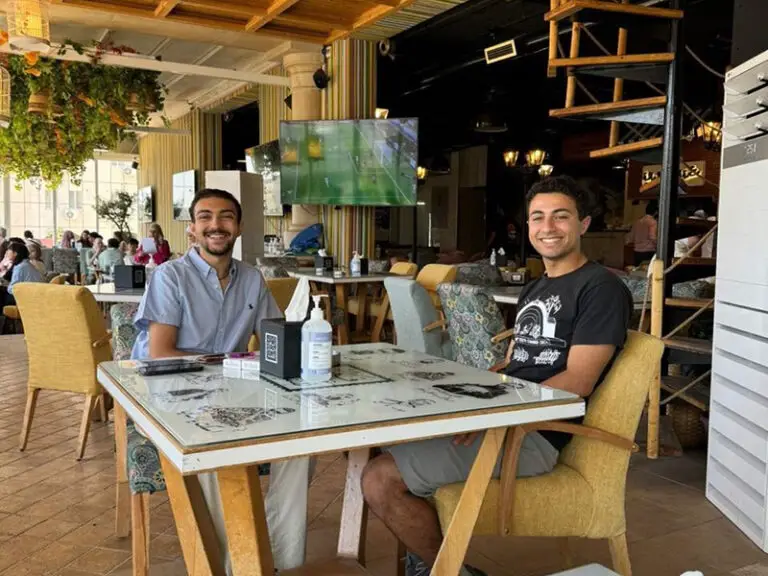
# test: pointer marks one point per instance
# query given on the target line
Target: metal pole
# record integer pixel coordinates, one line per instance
(415, 233)
(670, 170)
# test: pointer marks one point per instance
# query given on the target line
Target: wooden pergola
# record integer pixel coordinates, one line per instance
(319, 21)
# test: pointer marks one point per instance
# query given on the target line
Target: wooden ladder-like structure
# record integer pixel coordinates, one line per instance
(621, 67)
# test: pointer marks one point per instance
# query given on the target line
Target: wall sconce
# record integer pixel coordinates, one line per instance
(421, 173)
(29, 25)
(510, 157)
(546, 170)
(535, 157)
(381, 113)
(711, 133)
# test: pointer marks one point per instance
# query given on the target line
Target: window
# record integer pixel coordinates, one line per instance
(48, 213)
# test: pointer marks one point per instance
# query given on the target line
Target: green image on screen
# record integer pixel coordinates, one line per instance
(349, 162)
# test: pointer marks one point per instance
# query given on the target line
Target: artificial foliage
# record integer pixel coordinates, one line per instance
(81, 107)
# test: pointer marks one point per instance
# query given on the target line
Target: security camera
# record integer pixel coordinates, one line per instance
(321, 78)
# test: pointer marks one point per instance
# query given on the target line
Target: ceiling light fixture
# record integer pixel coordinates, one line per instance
(535, 157)
(421, 173)
(510, 157)
(29, 25)
(712, 134)
(381, 113)
(546, 170)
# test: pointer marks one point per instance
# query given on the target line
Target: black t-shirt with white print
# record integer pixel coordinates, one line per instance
(589, 306)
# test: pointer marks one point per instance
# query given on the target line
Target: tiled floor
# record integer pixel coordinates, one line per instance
(56, 515)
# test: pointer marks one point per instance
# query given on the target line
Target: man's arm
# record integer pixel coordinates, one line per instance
(583, 370)
(162, 341)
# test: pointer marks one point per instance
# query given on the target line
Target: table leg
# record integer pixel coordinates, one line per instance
(245, 520)
(362, 302)
(341, 302)
(123, 490)
(456, 538)
(354, 511)
(379, 326)
(197, 535)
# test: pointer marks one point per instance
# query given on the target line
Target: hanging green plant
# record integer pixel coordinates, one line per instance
(62, 111)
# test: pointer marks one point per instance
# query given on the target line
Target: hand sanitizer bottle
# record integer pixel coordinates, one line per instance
(493, 257)
(316, 345)
(354, 265)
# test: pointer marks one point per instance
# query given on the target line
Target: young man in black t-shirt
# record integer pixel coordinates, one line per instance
(570, 325)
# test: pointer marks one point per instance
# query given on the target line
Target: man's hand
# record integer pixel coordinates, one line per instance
(466, 439)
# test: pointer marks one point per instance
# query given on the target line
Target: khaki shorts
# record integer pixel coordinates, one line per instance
(426, 466)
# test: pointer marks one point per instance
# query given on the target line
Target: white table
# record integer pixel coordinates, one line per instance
(507, 294)
(342, 285)
(203, 422)
(109, 294)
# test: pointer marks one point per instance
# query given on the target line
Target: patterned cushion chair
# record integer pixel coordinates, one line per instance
(479, 274)
(475, 325)
(65, 261)
(142, 473)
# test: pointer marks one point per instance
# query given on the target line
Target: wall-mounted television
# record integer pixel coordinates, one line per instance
(184, 186)
(349, 162)
(145, 202)
(265, 160)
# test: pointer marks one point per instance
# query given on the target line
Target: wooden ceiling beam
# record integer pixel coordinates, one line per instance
(391, 3)
(326, 22)
(165, 7)
(275, 9)
(239, 9)
(368, 18)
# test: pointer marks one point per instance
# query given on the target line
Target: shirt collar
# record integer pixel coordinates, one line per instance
(206, 269)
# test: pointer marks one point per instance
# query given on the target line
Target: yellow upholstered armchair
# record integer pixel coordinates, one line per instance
(66, 339)
(584, 495)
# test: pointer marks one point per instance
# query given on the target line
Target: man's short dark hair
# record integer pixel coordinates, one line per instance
(113, 243)
(215, 193)
(133, 241)
(94, 235)
(28, 234)
(562, 185)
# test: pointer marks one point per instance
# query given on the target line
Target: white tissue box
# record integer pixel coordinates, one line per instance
(232, 372)
(250, 368)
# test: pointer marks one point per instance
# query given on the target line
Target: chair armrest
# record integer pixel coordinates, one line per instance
(436, 324)
(503, 335)
(514, 442)
(103, 340)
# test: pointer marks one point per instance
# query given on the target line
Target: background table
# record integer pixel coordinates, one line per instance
(507, 294)
(204, 422)
(109, 294)
(342, 286)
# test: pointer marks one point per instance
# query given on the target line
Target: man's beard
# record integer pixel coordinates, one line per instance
(223, 251)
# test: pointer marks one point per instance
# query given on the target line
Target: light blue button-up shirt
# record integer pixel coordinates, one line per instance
(186, 293)
(24, 272)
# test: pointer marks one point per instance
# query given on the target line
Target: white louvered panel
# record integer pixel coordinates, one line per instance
(744, 319)
(754, 532)
(752, 438)
(739, 462)
(744, 345)
(739, 493)
(745, 374)
(736, 292)
(740, 400)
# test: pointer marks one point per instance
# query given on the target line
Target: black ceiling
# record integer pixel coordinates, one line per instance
(438, 72)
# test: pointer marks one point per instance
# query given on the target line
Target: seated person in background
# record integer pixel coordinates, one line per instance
(28, 235)
(84, 241)
(67, 240)
(36, 256)
(643, 234)
(7, 262)
(130, 251)
(110, 257)
(205, 303)
(22, 270)
(162, 251)
(93, 255)
(589, 308)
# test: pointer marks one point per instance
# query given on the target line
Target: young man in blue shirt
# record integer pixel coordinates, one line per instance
(206, 302)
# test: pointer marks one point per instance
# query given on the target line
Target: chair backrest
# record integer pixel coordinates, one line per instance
(61, 325)
(46, 255)
(282, 290)
(65, 260)
(123, 331)
(473, 318)
(412, 310)
(615, 406)
(433, 274)
(478, 273)
(272, 271)
(404, 269)
(60, 279)
(535, 267)
(288, 262)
